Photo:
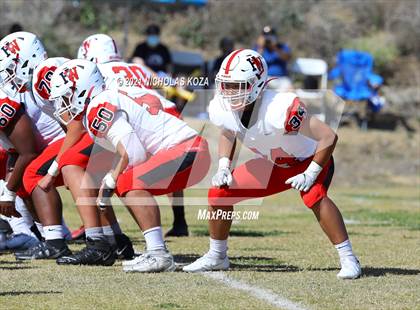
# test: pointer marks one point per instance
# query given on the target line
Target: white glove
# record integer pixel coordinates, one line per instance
(6, 195)
(223, 175)
(305, 180)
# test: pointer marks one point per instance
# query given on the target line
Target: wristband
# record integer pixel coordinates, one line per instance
(313, 170)
(109, 181)
(224, 162)
(53, 169)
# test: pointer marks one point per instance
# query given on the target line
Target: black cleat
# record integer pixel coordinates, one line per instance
(43, 250)
(96, 252)
(178, 231)
(124, 248)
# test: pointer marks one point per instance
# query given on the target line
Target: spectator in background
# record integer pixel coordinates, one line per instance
(16, 27)
(277, 55)
(152, 52)
(226, 46)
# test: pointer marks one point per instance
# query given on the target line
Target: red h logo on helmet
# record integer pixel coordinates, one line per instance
(11, 47)
(70, 74)
(257, 65)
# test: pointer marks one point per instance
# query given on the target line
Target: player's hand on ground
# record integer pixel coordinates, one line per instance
(46, 182)
(222, 177)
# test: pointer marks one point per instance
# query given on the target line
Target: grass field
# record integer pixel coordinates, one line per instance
(283, 253)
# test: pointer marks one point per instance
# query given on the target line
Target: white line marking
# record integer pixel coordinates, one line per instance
(260, 293)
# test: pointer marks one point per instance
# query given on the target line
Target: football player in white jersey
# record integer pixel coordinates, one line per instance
(294, 151)
(132, 79)
(157, 152)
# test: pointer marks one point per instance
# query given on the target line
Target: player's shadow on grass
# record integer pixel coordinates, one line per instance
(375, 271)
(15, 265)
(244, 263)
(199, 232)
(380, 272)
(17, 293)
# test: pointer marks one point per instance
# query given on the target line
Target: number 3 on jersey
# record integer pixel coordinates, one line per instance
(100, 118)
(8, 109)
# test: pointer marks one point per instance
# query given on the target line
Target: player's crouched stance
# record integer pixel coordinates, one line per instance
(295, 150)
(158, 153)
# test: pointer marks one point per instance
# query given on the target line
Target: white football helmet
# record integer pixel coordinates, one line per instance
(99, 48)
(41, 83)
(73, 85)
(241, 78)
(20, 53)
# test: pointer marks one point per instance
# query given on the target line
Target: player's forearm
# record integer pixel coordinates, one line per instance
(15, 178)
(325, 149)
(227, 144)
(122, 162)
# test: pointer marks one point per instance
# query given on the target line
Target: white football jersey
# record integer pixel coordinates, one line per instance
(275, 134)
(130, 78)
(45, 129)
(139, 124)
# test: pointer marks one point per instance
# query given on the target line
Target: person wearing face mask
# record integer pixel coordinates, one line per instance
(152, 52)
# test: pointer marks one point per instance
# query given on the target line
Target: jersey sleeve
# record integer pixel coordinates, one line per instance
(8, 111)
(100, 118)
(286, 113)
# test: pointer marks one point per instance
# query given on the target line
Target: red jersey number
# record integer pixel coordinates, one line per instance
(135, 75)
(8, 109)
(296, 113)
(100, 118)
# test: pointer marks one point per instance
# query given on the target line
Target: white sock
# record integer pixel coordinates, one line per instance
(116, 228)
(40, 229)
(95, 233)
(23, 211)
(154, 239)
(344, 249)
(19, 226)
(53, 232)
(218, 248)
(109, 234)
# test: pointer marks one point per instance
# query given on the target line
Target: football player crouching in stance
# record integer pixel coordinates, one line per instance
(295, 151)
(158, 153)
(131, 78)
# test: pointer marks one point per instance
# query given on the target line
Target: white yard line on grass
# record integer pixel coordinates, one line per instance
(259, 293)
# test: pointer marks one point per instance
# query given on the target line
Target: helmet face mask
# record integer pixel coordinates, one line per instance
(65, 111)
(10, 83)
(234, 94)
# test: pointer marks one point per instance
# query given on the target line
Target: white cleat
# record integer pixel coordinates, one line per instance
(132, 262)
(208, 263)
(350, 268)
(151, 261)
